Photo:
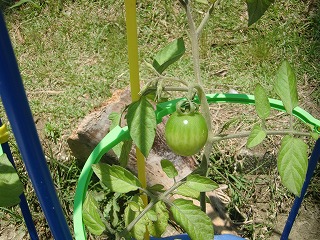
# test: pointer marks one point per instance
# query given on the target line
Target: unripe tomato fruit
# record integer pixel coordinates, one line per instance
(186, 133)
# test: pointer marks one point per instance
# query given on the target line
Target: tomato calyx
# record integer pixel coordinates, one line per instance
(186, 107)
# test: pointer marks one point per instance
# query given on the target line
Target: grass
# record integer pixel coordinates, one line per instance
(73, 56)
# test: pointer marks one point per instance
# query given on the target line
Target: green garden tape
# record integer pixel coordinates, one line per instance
(119, 134)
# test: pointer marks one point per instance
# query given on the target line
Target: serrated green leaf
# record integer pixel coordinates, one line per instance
(116, 178)
(125, 151)
(194, 221)
(156, 188)
(115, 210)
(157, 228)
(286, 87)
(256, 9)
(262, 104)
(142, 124)
(168, 55)
(187, 191)
(10, 185)
(256, 136)
(293, 163)
(201, 183)
(115, 118)
(134, 206)
(168, 167)
(152, 215)
(91, 216)
(140, 227)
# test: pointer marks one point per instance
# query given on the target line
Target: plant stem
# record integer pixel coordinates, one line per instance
(194, 37)
(206, 18)
(144, 211)
(194, 41)
(154, 200)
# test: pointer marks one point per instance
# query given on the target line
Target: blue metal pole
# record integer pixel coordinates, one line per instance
(23, 201)
(315, 156)
(15, 102)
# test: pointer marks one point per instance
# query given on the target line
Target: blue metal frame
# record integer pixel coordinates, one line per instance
(23, 201)
(17, 108)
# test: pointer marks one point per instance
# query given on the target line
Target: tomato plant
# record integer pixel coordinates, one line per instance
(186, 132)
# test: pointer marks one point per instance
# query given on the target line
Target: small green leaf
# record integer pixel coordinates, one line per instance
(261, 102)
(116, 178)
(201, 183)
(168, 167)
(115, 119)
(286, 87)
(186, 191)
(168, 55)
(134, 206)
(157, 228)
(91, 216)
(194, 221)
(139, 228)
(115, 210)
(293, 163)
(256, 136)
(156, 188)
(256, 9)
(125, 151)
(10, 185)
(142, 124)
(152, 215)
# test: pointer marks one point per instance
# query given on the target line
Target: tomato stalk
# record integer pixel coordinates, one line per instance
(205, 110)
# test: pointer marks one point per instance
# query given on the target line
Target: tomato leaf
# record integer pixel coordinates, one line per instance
(168, 55)
(139, 228)
(156, 188)
(10, 185)
(201, 183)
(194, 221)
(256, 9)
(256, 136)
(116, 178)
(286, 87)
(156, 228)
(293, 163)
(125, 151)
(142, 124)
(187, 191)
(115, 121)
(168, 167)
(91, 216)
(262, 104)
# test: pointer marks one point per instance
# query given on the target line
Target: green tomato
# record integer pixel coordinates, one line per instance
(186, 133)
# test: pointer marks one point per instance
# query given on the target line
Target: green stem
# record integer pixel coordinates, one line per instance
(154, 200)
(144, 211)
(194, 41)
(206, 18)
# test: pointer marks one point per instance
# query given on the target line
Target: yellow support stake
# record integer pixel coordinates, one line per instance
(132, 39)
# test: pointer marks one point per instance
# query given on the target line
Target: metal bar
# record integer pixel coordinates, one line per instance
(16, 104)
(23, 201)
